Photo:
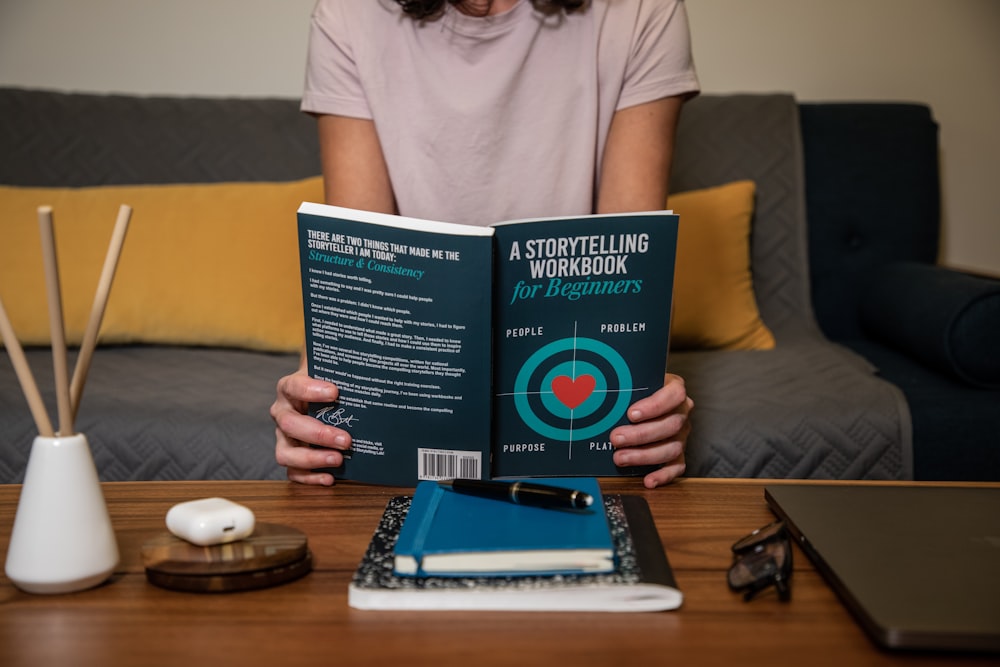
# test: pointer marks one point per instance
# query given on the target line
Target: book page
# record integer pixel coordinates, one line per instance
(398, 316)
(582, 313)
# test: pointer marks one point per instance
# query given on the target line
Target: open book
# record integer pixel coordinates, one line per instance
(479, 352)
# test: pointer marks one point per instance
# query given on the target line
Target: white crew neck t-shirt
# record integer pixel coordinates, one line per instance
(483, 119)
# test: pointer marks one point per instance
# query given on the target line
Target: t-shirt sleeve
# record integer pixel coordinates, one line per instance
(332, 83)
(660, 62)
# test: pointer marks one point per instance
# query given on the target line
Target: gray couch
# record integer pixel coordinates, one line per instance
(810, 408)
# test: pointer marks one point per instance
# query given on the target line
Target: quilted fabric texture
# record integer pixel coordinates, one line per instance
(74, 140)
(162, 413)
(792, 413)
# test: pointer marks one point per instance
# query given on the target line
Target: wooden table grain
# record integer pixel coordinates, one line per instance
(128, 621)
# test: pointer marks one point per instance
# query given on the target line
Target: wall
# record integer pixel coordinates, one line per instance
(946, 54)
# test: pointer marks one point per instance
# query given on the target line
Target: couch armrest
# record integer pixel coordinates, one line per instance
(945, 319)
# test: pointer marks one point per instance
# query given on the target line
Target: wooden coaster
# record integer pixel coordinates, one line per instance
(273, 554)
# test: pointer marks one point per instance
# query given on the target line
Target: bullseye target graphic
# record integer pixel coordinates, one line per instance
(573, 389)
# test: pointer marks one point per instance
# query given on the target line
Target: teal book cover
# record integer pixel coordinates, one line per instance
(582, 321)
(449, 534)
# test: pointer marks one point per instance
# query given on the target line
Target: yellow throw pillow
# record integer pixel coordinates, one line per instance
(714, 303)
(211, 264)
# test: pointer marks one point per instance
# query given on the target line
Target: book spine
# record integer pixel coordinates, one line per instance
(415, 549)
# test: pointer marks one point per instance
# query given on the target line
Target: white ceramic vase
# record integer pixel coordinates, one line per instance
(62, 540)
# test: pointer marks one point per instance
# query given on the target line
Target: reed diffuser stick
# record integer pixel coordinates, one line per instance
(24, 375)
(97, 311)
(59, 362)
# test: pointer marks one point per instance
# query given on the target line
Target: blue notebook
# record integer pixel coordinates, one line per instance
(448, 534)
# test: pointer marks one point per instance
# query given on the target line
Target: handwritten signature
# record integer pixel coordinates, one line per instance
(336, 417)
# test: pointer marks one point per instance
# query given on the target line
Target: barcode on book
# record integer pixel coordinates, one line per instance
(434, 464)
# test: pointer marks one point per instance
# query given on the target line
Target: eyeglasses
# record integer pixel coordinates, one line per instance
(763, 559)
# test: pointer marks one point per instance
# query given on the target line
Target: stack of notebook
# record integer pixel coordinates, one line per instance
(444, 550)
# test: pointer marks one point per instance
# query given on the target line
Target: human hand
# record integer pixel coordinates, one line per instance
(658, 432)
(296, 430)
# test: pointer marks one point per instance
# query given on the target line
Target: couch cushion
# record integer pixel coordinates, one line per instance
(78, 139)
(157, 413)
(873, 195)
(802, 410)
(714, 304)
(947, 320)
(725, 138)
(202, 264)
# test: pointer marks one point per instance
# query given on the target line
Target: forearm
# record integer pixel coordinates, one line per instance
(354, 170)
(635, 171)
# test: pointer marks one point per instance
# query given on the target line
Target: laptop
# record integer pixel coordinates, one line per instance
(918, 566)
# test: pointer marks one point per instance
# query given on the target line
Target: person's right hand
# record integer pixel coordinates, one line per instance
(296, 430)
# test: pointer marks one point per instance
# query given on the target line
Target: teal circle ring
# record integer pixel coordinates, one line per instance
(603, 350)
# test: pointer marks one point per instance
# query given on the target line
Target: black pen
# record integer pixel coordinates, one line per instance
(522, 493)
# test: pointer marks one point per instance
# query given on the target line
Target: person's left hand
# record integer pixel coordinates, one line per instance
(658, 432)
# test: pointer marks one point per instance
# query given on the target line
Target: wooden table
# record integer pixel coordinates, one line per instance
(128, 621)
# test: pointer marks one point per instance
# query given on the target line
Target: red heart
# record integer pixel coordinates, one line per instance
(572, 393)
